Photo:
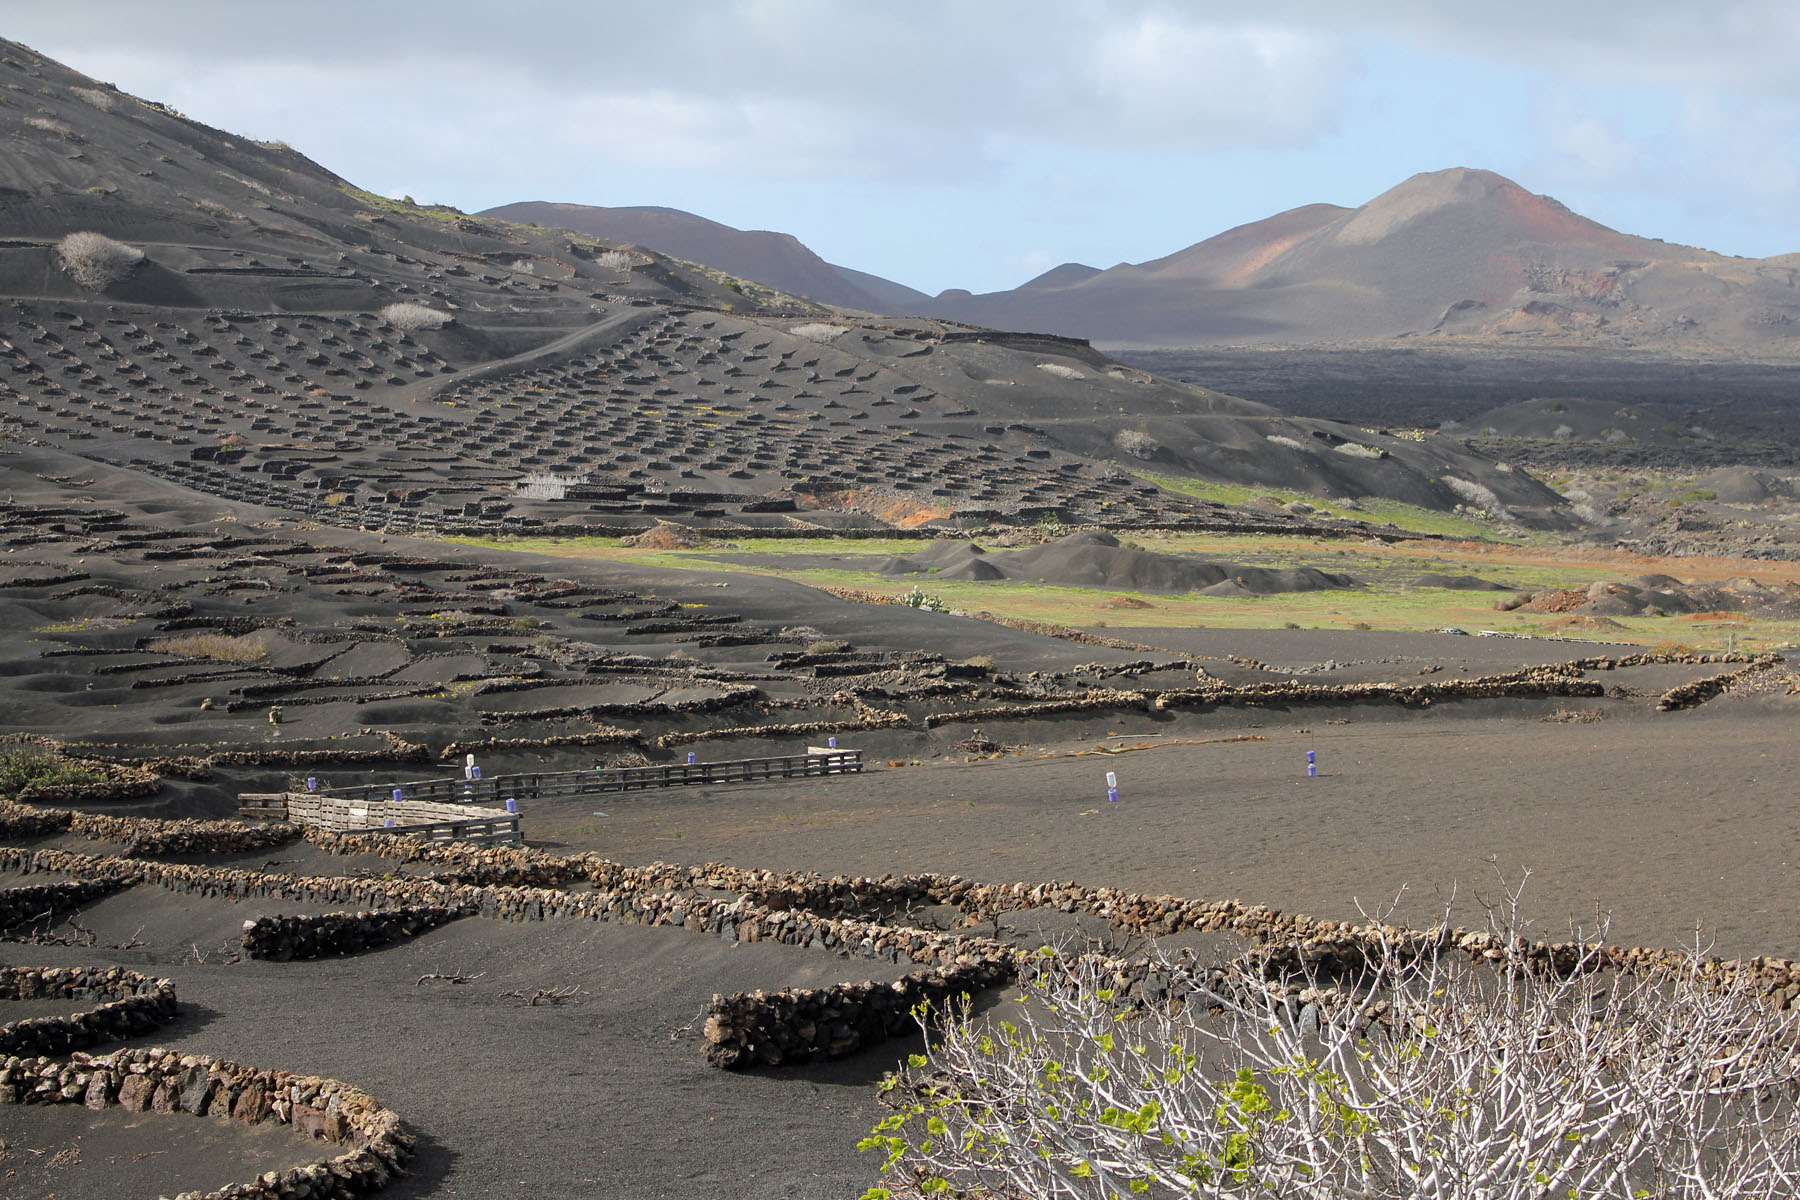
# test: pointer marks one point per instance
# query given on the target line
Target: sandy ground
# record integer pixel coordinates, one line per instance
(1666, 822)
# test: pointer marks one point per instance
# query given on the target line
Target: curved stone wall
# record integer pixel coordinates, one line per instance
(376, 1144)
(132, 1005)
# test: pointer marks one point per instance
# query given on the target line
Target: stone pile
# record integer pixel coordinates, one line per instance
(133, 1005)
(283, 939)
(376, 1144)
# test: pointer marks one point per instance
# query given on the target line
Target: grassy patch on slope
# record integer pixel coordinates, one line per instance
(1373, 510)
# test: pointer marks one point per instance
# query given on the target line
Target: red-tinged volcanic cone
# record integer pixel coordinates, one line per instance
(1459, 254)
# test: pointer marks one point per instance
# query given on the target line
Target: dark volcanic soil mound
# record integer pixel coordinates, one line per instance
(1745, 485)
(1096, 559)
(1461, 583)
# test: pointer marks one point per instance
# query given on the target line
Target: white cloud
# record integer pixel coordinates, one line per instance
(1744, 156)
(1718, 159)
(1584, 147)
(934, 89)
(1162, 81)
(1739, 45)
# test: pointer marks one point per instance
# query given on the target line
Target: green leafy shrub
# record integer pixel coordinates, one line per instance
(21, 769)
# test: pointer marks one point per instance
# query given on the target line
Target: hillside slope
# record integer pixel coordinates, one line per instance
(778, 260)
(243, 340)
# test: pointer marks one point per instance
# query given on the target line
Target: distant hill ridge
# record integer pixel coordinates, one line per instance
(1452, 257)
(776, 259)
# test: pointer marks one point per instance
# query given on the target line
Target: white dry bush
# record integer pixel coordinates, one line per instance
(1136, 443)
(1358, 450)
(1431, 1076)
(51, 125)
(1584, 506)
(1479, 496)
(616, 260)
(95, 261)
(104, 101)
(544, 485)
(1061, 371)
(409, 317)
(1281, 439)
(819, 331)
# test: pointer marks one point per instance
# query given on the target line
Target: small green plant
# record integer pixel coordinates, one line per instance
(919, 598)
(21, 769)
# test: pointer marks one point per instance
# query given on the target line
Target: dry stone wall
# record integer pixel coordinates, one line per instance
(283, 939)
(1699, 691)
(375, 1144)
(819, 913)
(21, 904)
(133, 1005)
(145, 835)
(796, 1025)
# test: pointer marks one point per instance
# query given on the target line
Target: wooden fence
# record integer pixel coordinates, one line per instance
(498, 788)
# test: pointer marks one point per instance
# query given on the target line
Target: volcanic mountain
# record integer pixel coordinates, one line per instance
(776, 259)
(1457, 255)
(237, 319)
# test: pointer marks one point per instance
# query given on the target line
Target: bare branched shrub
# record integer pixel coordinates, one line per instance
(95, 261)
(104, 101)
(617, 260)
(1431, 1075)
(1358, 450)
(1060, 371)
(241, 648)
(544, 485)
(409, 317)
(1136, 443)
(61, 129)
(1478, 496)
(818, 331)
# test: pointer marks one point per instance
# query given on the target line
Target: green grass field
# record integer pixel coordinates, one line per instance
(1387, 602)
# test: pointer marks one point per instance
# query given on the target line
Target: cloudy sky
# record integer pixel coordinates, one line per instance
(975, 143)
